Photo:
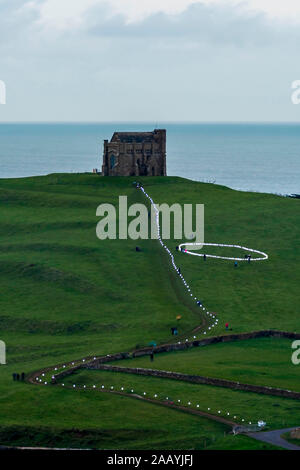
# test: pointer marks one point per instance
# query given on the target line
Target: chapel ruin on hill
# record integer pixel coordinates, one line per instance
(135, 154)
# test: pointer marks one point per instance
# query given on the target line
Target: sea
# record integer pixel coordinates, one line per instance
(244, 156)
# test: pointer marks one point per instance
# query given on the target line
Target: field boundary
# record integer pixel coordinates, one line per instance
(100, 363)
(198, 379)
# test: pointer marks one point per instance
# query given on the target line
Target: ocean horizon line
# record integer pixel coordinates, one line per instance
(251, 156)
(152, 122)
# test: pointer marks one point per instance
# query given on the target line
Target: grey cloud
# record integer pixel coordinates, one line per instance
(206, 63)
(15, 20)
(201, 23)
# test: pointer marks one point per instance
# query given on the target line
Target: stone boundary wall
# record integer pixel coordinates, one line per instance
(101, 360)
(216, 339)
(196, 343)
(92, 364)
(197, 379)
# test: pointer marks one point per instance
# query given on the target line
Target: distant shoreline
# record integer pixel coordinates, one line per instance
(252, 157)
(292, 196)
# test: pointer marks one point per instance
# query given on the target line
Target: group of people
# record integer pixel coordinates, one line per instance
(18, 377)
(248, 257)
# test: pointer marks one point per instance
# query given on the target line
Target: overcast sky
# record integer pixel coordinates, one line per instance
(149, 60)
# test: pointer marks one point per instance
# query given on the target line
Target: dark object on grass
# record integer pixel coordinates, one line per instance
(177, 248)
(14, 376)
(204, 257)
(18, 377)
(23, 376)
(137, 248)
(235, 264)
(174, 331)
(152, 357)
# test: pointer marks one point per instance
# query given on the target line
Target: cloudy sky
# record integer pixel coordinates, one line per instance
(149, 60)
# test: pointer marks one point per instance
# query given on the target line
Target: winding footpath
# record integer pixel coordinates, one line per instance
(55, 373)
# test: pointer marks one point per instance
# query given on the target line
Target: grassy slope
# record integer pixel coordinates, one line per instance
(65, 294)
(259, 295)
(277, 412)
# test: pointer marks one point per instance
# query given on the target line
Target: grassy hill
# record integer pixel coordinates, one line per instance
(65, 294)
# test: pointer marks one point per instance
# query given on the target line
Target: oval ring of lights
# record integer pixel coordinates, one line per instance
(264, 256)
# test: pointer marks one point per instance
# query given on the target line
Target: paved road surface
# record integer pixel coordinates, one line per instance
(274, 437)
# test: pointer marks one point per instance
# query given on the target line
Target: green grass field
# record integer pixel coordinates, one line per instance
(65, 294)
(250, 407)
(263, 361)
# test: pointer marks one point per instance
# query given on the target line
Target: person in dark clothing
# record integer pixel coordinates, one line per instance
(249, 258)
(152, 357)
(23, 376)
(177, 248)
(204, 257)
(18, 377)
(14, 376)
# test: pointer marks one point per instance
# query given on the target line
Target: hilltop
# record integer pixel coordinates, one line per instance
(66, 294)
